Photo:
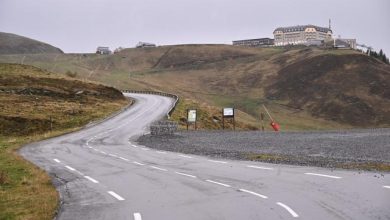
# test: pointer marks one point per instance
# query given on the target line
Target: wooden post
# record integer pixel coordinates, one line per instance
(223, 121)
(234, 124)
(187, 119)
(51, 124)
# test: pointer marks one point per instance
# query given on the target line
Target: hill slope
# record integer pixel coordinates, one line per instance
(304, 87)
(15, 44)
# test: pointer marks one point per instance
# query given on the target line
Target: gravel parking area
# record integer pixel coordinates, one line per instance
(367, 149)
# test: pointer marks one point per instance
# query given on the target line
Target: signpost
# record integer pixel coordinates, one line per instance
(191, 117)
(228, 113)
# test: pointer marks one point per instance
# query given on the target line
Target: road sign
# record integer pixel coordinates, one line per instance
(191, 115)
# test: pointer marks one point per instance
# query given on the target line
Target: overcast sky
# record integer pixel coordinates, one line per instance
(82, 25)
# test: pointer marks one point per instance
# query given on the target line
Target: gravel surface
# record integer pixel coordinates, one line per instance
(348, 148)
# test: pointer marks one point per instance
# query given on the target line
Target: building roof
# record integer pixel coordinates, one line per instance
(265, 38)
(302, 28)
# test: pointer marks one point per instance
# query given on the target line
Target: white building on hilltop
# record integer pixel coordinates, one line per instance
(301, 34)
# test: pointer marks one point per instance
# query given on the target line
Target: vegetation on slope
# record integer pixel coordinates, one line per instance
(15, 44)
(37, 104)
(246, 78)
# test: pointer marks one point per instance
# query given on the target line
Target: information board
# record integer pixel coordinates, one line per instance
(228, 112)
(191, 117)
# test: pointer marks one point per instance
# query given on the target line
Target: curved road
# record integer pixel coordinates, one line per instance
(101, 173)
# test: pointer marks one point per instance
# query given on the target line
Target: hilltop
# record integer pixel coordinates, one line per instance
(304, 87)
(15, 44)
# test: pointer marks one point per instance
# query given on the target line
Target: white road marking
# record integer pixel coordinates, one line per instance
(388, 187)
(184, 174)
(185, 156)
(137, 216)
(103, 152)
(57, 160)
(217, 161)
(218, 183)
(113, 155)
(323, 175)
(161, 152)
(70, 168)
(294, 214)
(134, 145)
(135, 162)
(91, 179)
(123, 158)
(158, 168)
(87, 143)
(90, 147)
(262, 168)
(144, 148)
(116, 196)
(253, 193)
(95, 149)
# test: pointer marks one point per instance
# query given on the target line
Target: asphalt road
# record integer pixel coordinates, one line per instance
(101, 173)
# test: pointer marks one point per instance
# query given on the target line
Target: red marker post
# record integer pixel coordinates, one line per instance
(273, 124)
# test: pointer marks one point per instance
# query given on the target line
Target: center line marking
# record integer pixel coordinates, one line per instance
(137, 216)
(70, 168)
(91, 179)
(294, 214)
(387, 187)
(218, 183)
(57, 160)
(135, 162)
(123, 158)
(185, 156)
(113, 155)
(116, 196)
(262, 168)
(184, 174)
(158, 168)
(323, 175)
(253, 193)
(217, 161)
(103, 152)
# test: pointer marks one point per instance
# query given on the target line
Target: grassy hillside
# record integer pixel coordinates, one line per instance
(36, 104)
(304, 87)
(15, 44)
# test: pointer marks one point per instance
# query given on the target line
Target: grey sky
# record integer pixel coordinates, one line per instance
(82, 25)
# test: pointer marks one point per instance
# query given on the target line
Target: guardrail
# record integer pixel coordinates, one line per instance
(169, 114)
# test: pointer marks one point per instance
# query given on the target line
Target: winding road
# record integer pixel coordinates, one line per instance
(102, 173)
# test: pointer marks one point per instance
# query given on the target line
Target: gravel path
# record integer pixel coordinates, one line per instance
(361, 149)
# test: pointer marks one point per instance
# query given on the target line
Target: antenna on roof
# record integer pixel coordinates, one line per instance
(330, 24)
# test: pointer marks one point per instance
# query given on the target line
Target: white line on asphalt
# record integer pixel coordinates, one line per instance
(217, 161)
(144, 148)
(135, 162)
(113, 155)
(323, 175)
(294, 214)
(90, 147)
(218, 183)
(158, 168)
(91, 179)
(123, 158)
(70, 168)
(118, 197)
(262, 168)
(137, 216)
(184, 174)
(103, 152)
(388, 187)
(95, 149)
(87, 143)
(134, 145)
(185, 156)
(161, 152)
(253, 193)
(57, 160)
